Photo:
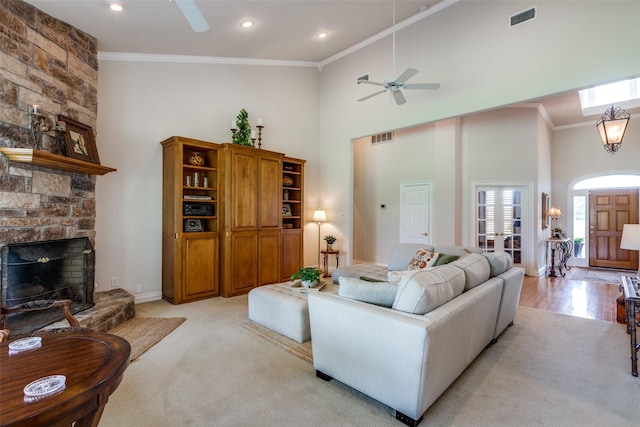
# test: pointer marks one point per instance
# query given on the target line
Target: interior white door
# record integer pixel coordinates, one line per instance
(499, 220)
(415, 213)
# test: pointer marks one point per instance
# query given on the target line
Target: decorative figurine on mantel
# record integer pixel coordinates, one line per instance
(242, 134)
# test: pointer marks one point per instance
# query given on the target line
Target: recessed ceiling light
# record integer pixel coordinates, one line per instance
(116, 6)
(322, 35)
(247, 24)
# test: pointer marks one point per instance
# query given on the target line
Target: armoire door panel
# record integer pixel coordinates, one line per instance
(244, 198)
(269, 258)
(244, 263)
(269, 195)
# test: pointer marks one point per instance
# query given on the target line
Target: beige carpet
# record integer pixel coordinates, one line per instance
(301, 350)
(547, 370)
(142, 332)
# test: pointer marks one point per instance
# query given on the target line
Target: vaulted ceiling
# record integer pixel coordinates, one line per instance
(282, 31)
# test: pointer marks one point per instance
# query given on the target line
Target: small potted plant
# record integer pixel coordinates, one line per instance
(310, 276)
(330, 239)
(578, 242)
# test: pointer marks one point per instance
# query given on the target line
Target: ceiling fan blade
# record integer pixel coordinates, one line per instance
(408, 73)
(372, 95)
(369, 82)
(430, 86)
(194, 16)
(399, 97)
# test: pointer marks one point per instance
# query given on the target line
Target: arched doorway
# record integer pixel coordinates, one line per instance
(600, 206)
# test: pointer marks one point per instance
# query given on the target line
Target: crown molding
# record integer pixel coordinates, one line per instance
(188, 59)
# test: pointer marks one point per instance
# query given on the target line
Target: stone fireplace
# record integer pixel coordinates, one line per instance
(55, 269)
(49, 204)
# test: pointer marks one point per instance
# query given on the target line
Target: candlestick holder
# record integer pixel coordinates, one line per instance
(253, 142)
(233, 134)
(260, 127)
(38, 124)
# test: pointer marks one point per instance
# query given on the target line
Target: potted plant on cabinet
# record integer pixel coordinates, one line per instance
(310, 276)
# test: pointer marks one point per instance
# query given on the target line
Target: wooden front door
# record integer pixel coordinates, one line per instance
(609, 210)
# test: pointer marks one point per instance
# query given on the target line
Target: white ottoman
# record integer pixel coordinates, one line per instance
(282, 309)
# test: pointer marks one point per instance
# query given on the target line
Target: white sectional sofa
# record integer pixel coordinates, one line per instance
(405, 347)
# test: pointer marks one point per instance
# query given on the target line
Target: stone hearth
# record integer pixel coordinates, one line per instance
(112, 308)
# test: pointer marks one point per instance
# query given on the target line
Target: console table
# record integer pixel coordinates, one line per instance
(93, 364)
(558, 253)
(632, 304)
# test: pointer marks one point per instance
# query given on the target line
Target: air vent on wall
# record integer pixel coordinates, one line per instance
(381, 138)
(523, 16)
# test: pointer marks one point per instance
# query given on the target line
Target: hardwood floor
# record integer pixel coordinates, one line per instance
(584, 297)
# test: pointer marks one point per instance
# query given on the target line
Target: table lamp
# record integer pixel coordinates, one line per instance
(631, 238)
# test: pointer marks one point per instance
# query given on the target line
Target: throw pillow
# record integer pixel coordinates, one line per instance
(446, 259)
(423, 259)
(476, 269)
(499, 262)
(425, 290)
(378, 293)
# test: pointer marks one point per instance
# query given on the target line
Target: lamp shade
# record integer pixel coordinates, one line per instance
(630, 237)
(554, 213)
(319, 216)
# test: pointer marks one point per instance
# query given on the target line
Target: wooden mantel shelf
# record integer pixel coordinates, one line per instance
(54, 161)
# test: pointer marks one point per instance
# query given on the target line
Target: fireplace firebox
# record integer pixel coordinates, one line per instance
(54, 269)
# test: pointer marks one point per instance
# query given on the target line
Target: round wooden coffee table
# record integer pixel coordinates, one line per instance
(93, 364)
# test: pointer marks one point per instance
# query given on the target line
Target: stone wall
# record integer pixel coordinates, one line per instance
(46, 62)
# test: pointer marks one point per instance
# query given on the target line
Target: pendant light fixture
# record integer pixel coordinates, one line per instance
(612, 126)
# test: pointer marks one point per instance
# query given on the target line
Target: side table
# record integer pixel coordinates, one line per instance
(632, 304)
(325, 254)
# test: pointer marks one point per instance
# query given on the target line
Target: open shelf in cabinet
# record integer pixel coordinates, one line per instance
(199, 189)
(292, 194)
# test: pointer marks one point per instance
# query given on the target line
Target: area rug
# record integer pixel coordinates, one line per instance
(598, 275)
(144, 332)
(303, 351)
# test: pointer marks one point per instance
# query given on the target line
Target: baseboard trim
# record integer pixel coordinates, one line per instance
(148, 297)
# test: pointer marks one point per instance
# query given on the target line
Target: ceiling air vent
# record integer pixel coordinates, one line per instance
(523, 16)
(381, 138)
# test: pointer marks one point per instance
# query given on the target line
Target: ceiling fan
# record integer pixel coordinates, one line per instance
(393, 85)
(193, 15)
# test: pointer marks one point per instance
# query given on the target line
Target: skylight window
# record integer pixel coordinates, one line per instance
(624, 94)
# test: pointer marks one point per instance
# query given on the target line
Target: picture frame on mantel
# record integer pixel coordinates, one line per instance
(545, 211)
(79, 140)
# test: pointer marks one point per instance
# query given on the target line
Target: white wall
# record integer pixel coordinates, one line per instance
(468, 48)
(143, 103)
(481, 64)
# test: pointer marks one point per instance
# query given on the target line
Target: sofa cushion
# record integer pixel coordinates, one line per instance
(402, 253)
(423, 259)
(499, 262)
(424, 290)
(378, 293)
(476, 269)
(446, 259)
